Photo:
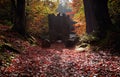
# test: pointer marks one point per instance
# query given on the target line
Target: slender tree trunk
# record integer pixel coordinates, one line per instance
(20, 25)
(97, 17)
(90, 16)
(13, 11)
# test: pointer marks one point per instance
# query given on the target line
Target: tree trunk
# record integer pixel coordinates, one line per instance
(97, 17)
(20, 25)
(13, 11)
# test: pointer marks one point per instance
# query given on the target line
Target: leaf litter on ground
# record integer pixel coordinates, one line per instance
(58, 61)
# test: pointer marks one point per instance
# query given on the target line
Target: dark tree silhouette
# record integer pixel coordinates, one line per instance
(18, 8)
(97, 17)
(13, 11)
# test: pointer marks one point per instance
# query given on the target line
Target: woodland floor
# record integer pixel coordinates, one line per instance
(58, 61)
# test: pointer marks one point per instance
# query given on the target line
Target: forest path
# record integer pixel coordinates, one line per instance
(61, 62)
(58, 61)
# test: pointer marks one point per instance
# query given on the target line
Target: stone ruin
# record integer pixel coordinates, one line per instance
(60, 27)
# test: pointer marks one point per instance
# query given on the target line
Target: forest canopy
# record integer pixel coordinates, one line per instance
(38, 10)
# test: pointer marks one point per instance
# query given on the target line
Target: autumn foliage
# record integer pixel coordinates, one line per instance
(56, 60)
(37, 18)
(79, 17)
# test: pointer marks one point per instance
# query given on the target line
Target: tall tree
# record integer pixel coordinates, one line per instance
(97, 17)
(19, 22)
(13, 10)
